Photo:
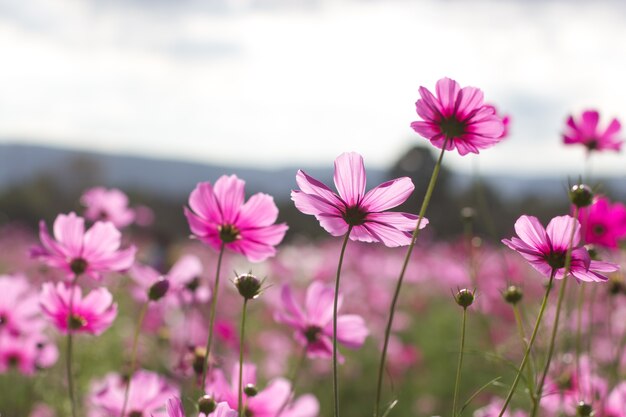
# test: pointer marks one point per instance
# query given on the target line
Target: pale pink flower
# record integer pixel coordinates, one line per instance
(353, 207)
(616, 402)
(76, 251)
(603, 222)
(107, 205)
(19, 307)
(314, 323)
(493, 410)
(267, 402)
(42, 410)
(26, 353)
(92, 314)
(545, 249)
(587, 132)
(147, 395)
(219, 217)
(459, 115)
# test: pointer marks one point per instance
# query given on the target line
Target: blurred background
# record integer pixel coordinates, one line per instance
(152, 96)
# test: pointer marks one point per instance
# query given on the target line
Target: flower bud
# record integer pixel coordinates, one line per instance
(584, 410)
(248, 286)
(198, 360)
(206, 404)
(158, 289)
(513, 294)
(464, 297)
(581, 195)
(468, 214)
(250, 390)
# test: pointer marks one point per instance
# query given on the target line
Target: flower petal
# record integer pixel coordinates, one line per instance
(350, 177)
(388, 195)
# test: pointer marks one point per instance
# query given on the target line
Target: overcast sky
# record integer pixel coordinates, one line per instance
(271, 83)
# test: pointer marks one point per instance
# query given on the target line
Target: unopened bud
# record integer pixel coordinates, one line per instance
(464, 297)
(468, 214)
(198, 360)
(513, 294)
(250, 390)
(584, 410)
(581, 195)
(158, 289)
(248, 286)
(206, 404)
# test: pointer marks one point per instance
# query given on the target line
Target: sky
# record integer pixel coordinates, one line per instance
(272, 83)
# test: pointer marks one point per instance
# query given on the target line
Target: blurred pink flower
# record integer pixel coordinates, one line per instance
(92, 314)
(107, 205)
(174, 408)
(314, 326)
(586, 132)
(616, 402)
(26, 353)
(267, 402)
(147, 395)
(458, 114)
(493, 410)
(218, 216)
(353, 207)
(78, 252)
(42, 410)
(545, 249)
(19, 307)
(603, 223)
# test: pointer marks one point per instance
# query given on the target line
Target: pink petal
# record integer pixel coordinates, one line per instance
(350, 177)
(313, 204)
(426, 129)
(590, 119)
(335, 225)
(447, 91)
(351, 331)
(69, 230)
(310, 185)
(259, 210)
(468, 100)
(101, 238)
(530, 230)
(305, 406)
(387, 235)
(229, 192)
(319, 303)
(388, 195)
(559, 231)
(203, 202)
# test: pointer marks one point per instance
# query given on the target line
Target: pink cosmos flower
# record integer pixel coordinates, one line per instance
(603, 223)
(616, 402)
(218, 216)
(42, 410)
(458, 114)
(314, 326)
(19, 307)
(78, 252)
(26, 353)
(353, 207)
(147, 395)
(107, 205)
(92, 314)
(267, 402)
(493, 410)
(586, 132)
(175, 408)
(545, 249)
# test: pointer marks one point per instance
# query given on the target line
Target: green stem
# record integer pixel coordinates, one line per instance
(212, 317)
(579, 313)
(133, 355)
(460, 364)
(531, 342)
(567, 266)
(530, 369)
(240, 390)
(335, 385)
(69, 351)
(294, 379)
(394, 301)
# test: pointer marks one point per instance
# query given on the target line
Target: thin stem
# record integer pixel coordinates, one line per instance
(335, 385)
(212, 317)
(460, 364)
(567, 267)
(394, 301)
(579, 314)
(294, 379)
(133, 355)
(530, 378)
(69, 351)
(531, 342)
(241, 334)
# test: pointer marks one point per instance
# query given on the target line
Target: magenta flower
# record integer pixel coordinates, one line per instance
(364, 212)
(19, 307)
(267, 402)
(26, 354)
(93, 314)
(78, 252)
(545, 249)
(493, 410)
(586, 132)
(107, 205)
(313, 324)
(174, 408)
(603, 223)
(147, 395)
(616, 402)
(218, 216)
(459, 115)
